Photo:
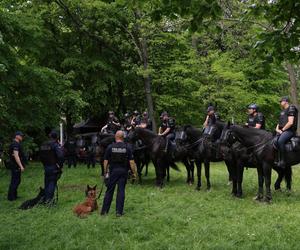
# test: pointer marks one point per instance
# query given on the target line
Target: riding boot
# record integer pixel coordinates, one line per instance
(281, 160)
(167, 145)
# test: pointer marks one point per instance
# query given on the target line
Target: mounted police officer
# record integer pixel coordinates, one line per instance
(255, 119)
(136, 118)
(167, 128)
(112, 125)
(118, 156)
(286, 128)
(127, 121)
(211, 119)
(16, 164)
(145, 121)
(52, 157)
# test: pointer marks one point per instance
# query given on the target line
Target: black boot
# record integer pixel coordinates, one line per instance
(281, 160)
(167, 145)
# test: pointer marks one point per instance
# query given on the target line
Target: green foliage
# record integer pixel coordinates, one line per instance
(70, 60)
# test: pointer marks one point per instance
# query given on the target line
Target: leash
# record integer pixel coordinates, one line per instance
(101, 190)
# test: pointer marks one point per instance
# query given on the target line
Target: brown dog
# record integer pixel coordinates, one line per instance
(90, 204)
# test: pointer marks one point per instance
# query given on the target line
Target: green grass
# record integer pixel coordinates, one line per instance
(177, 217)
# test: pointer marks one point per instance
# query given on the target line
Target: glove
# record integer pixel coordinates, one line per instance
(106, 179)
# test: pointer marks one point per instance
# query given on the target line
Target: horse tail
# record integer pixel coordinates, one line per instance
(174, 166)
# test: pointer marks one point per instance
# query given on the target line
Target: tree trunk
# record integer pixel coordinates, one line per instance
(293, 89)
(147, 83)
(147, 77)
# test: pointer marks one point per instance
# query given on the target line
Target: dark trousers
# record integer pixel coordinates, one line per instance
(169, 137)
(91, 160)
(284, 138)
(117, 177)
(72, 160)
(14, 183)
(50, 179)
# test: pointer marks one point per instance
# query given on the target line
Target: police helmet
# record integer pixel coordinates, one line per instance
(136, 112)
(53, 134)
(165, 113)
(127, 115)
(253, 106)
(19, 133)
(145, 113)
(210, 108)
(111, 112)
(284, 99)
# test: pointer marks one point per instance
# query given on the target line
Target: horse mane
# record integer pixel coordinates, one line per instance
(146, 131)
(194, 133)
(252, 131)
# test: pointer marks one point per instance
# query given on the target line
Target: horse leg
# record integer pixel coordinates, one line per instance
(229, 173)
(147, 160)
(206, 165)
(240, 173)
(139, 170)
(168, 173)
(233, 169)
(157, 173)
(279, 179)
(199, 166)
(188, 169)
(288, 178)
(146, 172)
(192, 167)
(267, 170)
(260, 193)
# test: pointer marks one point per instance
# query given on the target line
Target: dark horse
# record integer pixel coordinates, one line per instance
(260, 143)
(204, 149)
(242, 157)
(140, 154)
(155, 144)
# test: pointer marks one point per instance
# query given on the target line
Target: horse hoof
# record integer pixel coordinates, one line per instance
(239, 196)
(229, 183)
(288, 192)
(208, 190)
(267, 200)
(278, 190)
(198, 188)
(258, 198)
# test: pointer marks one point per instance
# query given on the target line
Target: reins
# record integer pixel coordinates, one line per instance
(101, 190)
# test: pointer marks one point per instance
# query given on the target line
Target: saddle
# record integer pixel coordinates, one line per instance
(292, 145)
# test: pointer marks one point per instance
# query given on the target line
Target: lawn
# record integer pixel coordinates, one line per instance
(176, 217)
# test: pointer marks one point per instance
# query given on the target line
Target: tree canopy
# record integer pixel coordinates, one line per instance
(69, 60)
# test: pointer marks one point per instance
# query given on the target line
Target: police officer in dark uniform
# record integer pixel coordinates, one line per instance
(70, 151)
(136, 119)
(167, 128)
(16, 163)
(118, 156)
(127, 121)
(91, 158)
(286, 128)
(255, 119)
(112, 125)
(211, 119)
(52, 157)
(145, 122)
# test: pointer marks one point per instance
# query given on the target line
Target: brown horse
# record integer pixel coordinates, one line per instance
(90, 204)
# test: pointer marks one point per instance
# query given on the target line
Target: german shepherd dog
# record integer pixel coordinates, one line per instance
(35, 201)
(90, 204)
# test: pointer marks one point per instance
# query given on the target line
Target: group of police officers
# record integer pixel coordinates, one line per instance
(118, 156)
